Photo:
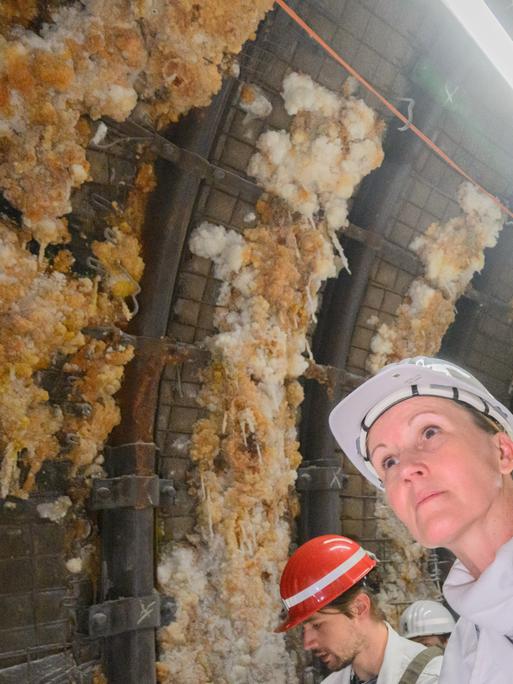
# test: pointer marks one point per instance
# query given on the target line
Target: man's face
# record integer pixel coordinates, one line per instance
(440, 470)
(431, 640)
(333, 637)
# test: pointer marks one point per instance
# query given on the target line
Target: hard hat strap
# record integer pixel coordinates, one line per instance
(433, 390)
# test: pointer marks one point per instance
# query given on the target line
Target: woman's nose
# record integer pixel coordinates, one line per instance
(412, 465)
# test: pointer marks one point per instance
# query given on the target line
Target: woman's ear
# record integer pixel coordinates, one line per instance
(505, 445)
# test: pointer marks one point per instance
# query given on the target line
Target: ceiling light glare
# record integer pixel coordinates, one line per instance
(481, 24)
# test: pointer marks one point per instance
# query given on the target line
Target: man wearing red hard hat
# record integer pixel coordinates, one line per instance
(325, 587)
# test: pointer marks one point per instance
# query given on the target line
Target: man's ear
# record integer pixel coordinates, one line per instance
(361, 605)
(505, 445)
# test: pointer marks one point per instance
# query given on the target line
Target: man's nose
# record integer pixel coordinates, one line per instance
(308, 638)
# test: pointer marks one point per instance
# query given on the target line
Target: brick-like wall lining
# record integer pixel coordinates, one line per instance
(382, 39)
(38, 596)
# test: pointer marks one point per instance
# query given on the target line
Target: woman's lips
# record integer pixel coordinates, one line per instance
(426, 496)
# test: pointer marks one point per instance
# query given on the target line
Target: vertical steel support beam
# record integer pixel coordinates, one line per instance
(320, 484)
(170, 213)
(128, 534)
(128, 553)
(128, 568)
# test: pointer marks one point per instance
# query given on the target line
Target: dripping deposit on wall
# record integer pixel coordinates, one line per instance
(153, 61)
(246, 449)
(451, 254)
(63, 66)
(88, 60)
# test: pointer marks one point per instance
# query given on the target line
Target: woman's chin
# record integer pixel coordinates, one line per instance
(435, 533)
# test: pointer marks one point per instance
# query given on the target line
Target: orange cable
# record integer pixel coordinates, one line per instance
(387, 104)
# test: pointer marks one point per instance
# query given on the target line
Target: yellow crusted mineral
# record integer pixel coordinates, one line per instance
(451, 253)
(98, 58)
(44, 308)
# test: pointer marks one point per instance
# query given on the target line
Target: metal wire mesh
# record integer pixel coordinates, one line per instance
(38, 600)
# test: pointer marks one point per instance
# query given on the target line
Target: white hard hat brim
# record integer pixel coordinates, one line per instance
(424, 618)
(351, 419)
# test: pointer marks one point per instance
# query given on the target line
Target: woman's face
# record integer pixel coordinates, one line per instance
(441, 472)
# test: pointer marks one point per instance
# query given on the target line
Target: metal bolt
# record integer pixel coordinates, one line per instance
(167, 610)
(84, 409)
(99, 621)
(103, 492)
(305, 477)
(168, 490)
(70, 439)
(219, 174)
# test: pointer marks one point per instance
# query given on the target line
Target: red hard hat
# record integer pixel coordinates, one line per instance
(318, 572)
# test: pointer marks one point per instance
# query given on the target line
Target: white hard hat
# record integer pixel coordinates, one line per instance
(352, 418)
(423, 618)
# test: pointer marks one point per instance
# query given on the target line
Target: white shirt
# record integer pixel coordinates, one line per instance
(483, 655)
(399, 653)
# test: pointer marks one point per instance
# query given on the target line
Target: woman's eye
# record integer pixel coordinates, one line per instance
(388, 462)
(430, 431)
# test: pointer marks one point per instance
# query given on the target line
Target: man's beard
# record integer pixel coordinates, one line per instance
(345, 663)
(340, 663)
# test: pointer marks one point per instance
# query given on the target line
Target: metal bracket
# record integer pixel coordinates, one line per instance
(127, 491)
(188, 160)
(167, 494)
(320, 478)
(124, 615)
(131, 491)
(167, 610)
(130, 614)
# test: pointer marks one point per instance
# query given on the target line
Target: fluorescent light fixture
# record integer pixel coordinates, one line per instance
(481, 24)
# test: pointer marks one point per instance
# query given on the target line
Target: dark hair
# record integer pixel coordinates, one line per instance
(369, 586)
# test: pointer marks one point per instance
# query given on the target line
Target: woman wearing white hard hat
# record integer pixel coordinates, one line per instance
(440, 445)
(428, 622)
